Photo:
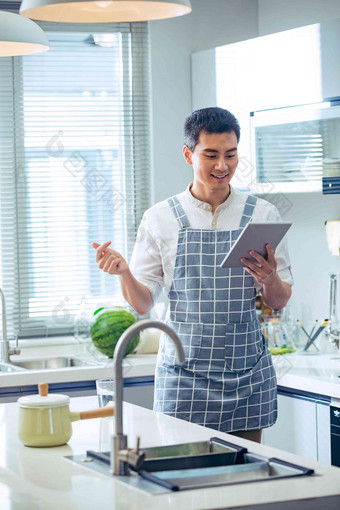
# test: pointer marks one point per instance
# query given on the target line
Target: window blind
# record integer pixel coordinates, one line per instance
(74, 168)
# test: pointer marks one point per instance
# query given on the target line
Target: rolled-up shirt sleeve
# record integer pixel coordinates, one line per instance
(146, 263)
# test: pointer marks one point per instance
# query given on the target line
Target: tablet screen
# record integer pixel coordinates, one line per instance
(255, 236)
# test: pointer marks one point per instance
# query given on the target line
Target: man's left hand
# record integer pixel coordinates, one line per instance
(263, 270)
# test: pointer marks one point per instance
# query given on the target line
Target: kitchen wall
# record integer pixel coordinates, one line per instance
(218, 22)
(211, 23)
(277, 15)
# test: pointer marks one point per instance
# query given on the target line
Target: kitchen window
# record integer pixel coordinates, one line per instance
(74, 168)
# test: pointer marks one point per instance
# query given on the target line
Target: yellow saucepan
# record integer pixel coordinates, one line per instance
(45, 419)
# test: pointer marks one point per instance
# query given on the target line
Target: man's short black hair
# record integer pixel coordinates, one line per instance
(209, 120)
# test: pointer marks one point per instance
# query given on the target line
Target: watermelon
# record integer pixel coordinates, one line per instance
(108, 328)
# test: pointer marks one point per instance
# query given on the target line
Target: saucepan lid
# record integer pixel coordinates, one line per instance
(43, 399)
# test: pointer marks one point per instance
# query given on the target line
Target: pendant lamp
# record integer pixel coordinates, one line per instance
(103, 11)
(20, 36)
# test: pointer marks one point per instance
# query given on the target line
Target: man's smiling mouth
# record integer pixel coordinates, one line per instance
(219, 177)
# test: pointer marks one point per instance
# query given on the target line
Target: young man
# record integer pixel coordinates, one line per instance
(227, 381)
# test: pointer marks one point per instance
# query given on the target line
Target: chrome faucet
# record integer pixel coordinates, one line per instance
(122, 456)
(6, 351)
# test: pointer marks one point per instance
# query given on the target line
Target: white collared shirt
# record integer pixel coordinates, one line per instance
(153, 258)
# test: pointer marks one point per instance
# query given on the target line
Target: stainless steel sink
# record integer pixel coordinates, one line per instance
(251, 468)
(214, 452)
(8, 368)
(53, 363)
(197, 465)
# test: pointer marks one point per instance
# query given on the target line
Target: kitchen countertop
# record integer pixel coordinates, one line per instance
(141, 365)
(40, 478)
(133, 366)
(316, 374)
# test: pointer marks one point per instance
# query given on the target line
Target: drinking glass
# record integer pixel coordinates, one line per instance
(105, 391)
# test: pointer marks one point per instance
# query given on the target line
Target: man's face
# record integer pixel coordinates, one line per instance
(214, 160)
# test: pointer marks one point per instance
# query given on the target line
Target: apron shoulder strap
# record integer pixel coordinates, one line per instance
(178, 212)
(248, 210)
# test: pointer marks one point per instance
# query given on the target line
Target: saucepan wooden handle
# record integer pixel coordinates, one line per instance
(102, 412)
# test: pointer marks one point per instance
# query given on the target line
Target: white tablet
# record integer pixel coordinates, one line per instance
(254, 237)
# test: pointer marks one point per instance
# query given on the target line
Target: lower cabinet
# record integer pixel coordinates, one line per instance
(140, 395)
(137, 390)
(302, 427)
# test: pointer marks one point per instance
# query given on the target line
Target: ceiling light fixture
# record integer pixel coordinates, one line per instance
(20, 36)
(103, 11)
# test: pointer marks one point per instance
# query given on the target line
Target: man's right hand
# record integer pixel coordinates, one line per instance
(135, 293)
(110, 261)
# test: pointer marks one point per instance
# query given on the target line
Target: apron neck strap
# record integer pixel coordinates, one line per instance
(178, 212)
(182, 219)
(248, 210)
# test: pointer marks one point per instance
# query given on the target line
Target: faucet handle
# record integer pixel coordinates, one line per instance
(132, 457)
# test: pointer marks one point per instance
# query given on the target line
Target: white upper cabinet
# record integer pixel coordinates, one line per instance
(291, 68)
(330, 58)
(296, 149)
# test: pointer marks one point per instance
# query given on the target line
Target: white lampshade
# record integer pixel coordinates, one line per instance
(20, 36)
(103, 11)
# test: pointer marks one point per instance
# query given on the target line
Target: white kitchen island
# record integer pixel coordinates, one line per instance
(307, 384)
(42, 479)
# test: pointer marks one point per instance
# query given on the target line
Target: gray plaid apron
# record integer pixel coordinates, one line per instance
(227, 381)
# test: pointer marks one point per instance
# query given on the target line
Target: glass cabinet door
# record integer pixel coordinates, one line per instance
(293, 148)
